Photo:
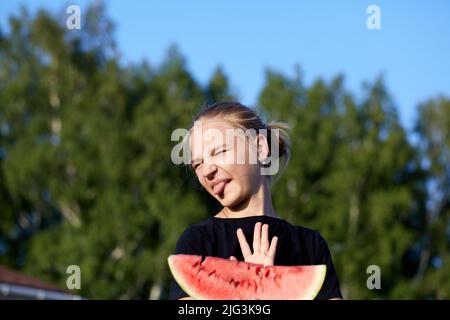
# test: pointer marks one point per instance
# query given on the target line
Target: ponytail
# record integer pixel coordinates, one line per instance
(284, 144)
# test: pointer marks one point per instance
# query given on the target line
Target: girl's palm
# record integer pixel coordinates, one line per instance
(263, 253)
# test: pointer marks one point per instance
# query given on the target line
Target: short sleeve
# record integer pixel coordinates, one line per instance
(330, 288)
(190, 242)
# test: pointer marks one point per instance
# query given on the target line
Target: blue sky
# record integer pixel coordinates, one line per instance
(412, 49)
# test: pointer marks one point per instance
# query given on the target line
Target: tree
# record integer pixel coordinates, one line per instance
(432, 251)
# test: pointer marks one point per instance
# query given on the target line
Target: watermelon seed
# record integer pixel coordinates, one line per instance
(276, 278)
(211, 273)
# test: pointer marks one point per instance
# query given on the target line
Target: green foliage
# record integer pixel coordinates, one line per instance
(86, 176)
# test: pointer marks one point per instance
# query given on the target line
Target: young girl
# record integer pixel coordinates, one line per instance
(243, 189)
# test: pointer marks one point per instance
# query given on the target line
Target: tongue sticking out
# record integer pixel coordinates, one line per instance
(220, 187)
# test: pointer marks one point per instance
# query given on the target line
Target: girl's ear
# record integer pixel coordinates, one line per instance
(262, 147)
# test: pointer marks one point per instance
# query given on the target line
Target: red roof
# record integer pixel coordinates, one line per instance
(14, 277)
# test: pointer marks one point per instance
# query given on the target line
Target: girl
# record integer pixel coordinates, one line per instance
(244, 192)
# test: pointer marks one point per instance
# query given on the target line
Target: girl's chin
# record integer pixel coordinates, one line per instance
(225, 199)
(230, 201)
(230, 197)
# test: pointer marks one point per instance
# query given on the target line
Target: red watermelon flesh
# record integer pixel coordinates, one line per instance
(222, 279)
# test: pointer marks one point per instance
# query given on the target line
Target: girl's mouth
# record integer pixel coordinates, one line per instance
(219, 188)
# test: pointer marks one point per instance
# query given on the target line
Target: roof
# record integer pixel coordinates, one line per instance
(13, 277)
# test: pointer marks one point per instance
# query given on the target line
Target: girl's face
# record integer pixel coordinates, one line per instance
(226, 167)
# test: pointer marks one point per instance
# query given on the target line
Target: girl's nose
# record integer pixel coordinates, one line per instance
(209, 169)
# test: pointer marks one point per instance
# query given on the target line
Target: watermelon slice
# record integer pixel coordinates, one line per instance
(222, 279)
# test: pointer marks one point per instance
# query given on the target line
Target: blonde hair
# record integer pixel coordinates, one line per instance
(244, 118)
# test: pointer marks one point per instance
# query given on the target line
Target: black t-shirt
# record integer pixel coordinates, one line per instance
(296, 245)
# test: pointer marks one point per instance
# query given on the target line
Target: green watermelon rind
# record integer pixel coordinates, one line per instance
(315, 287)
(179, 279)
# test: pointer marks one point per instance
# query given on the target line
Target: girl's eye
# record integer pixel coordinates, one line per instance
(221, 151)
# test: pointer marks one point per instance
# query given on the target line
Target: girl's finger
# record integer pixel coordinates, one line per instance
(265, 238)
(233, 258)
(257, 237)
(243, 243)
(273, 248)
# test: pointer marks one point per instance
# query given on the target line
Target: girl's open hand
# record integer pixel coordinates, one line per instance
(262, 252)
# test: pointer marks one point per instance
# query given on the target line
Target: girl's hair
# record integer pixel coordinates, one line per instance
(245, 118)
